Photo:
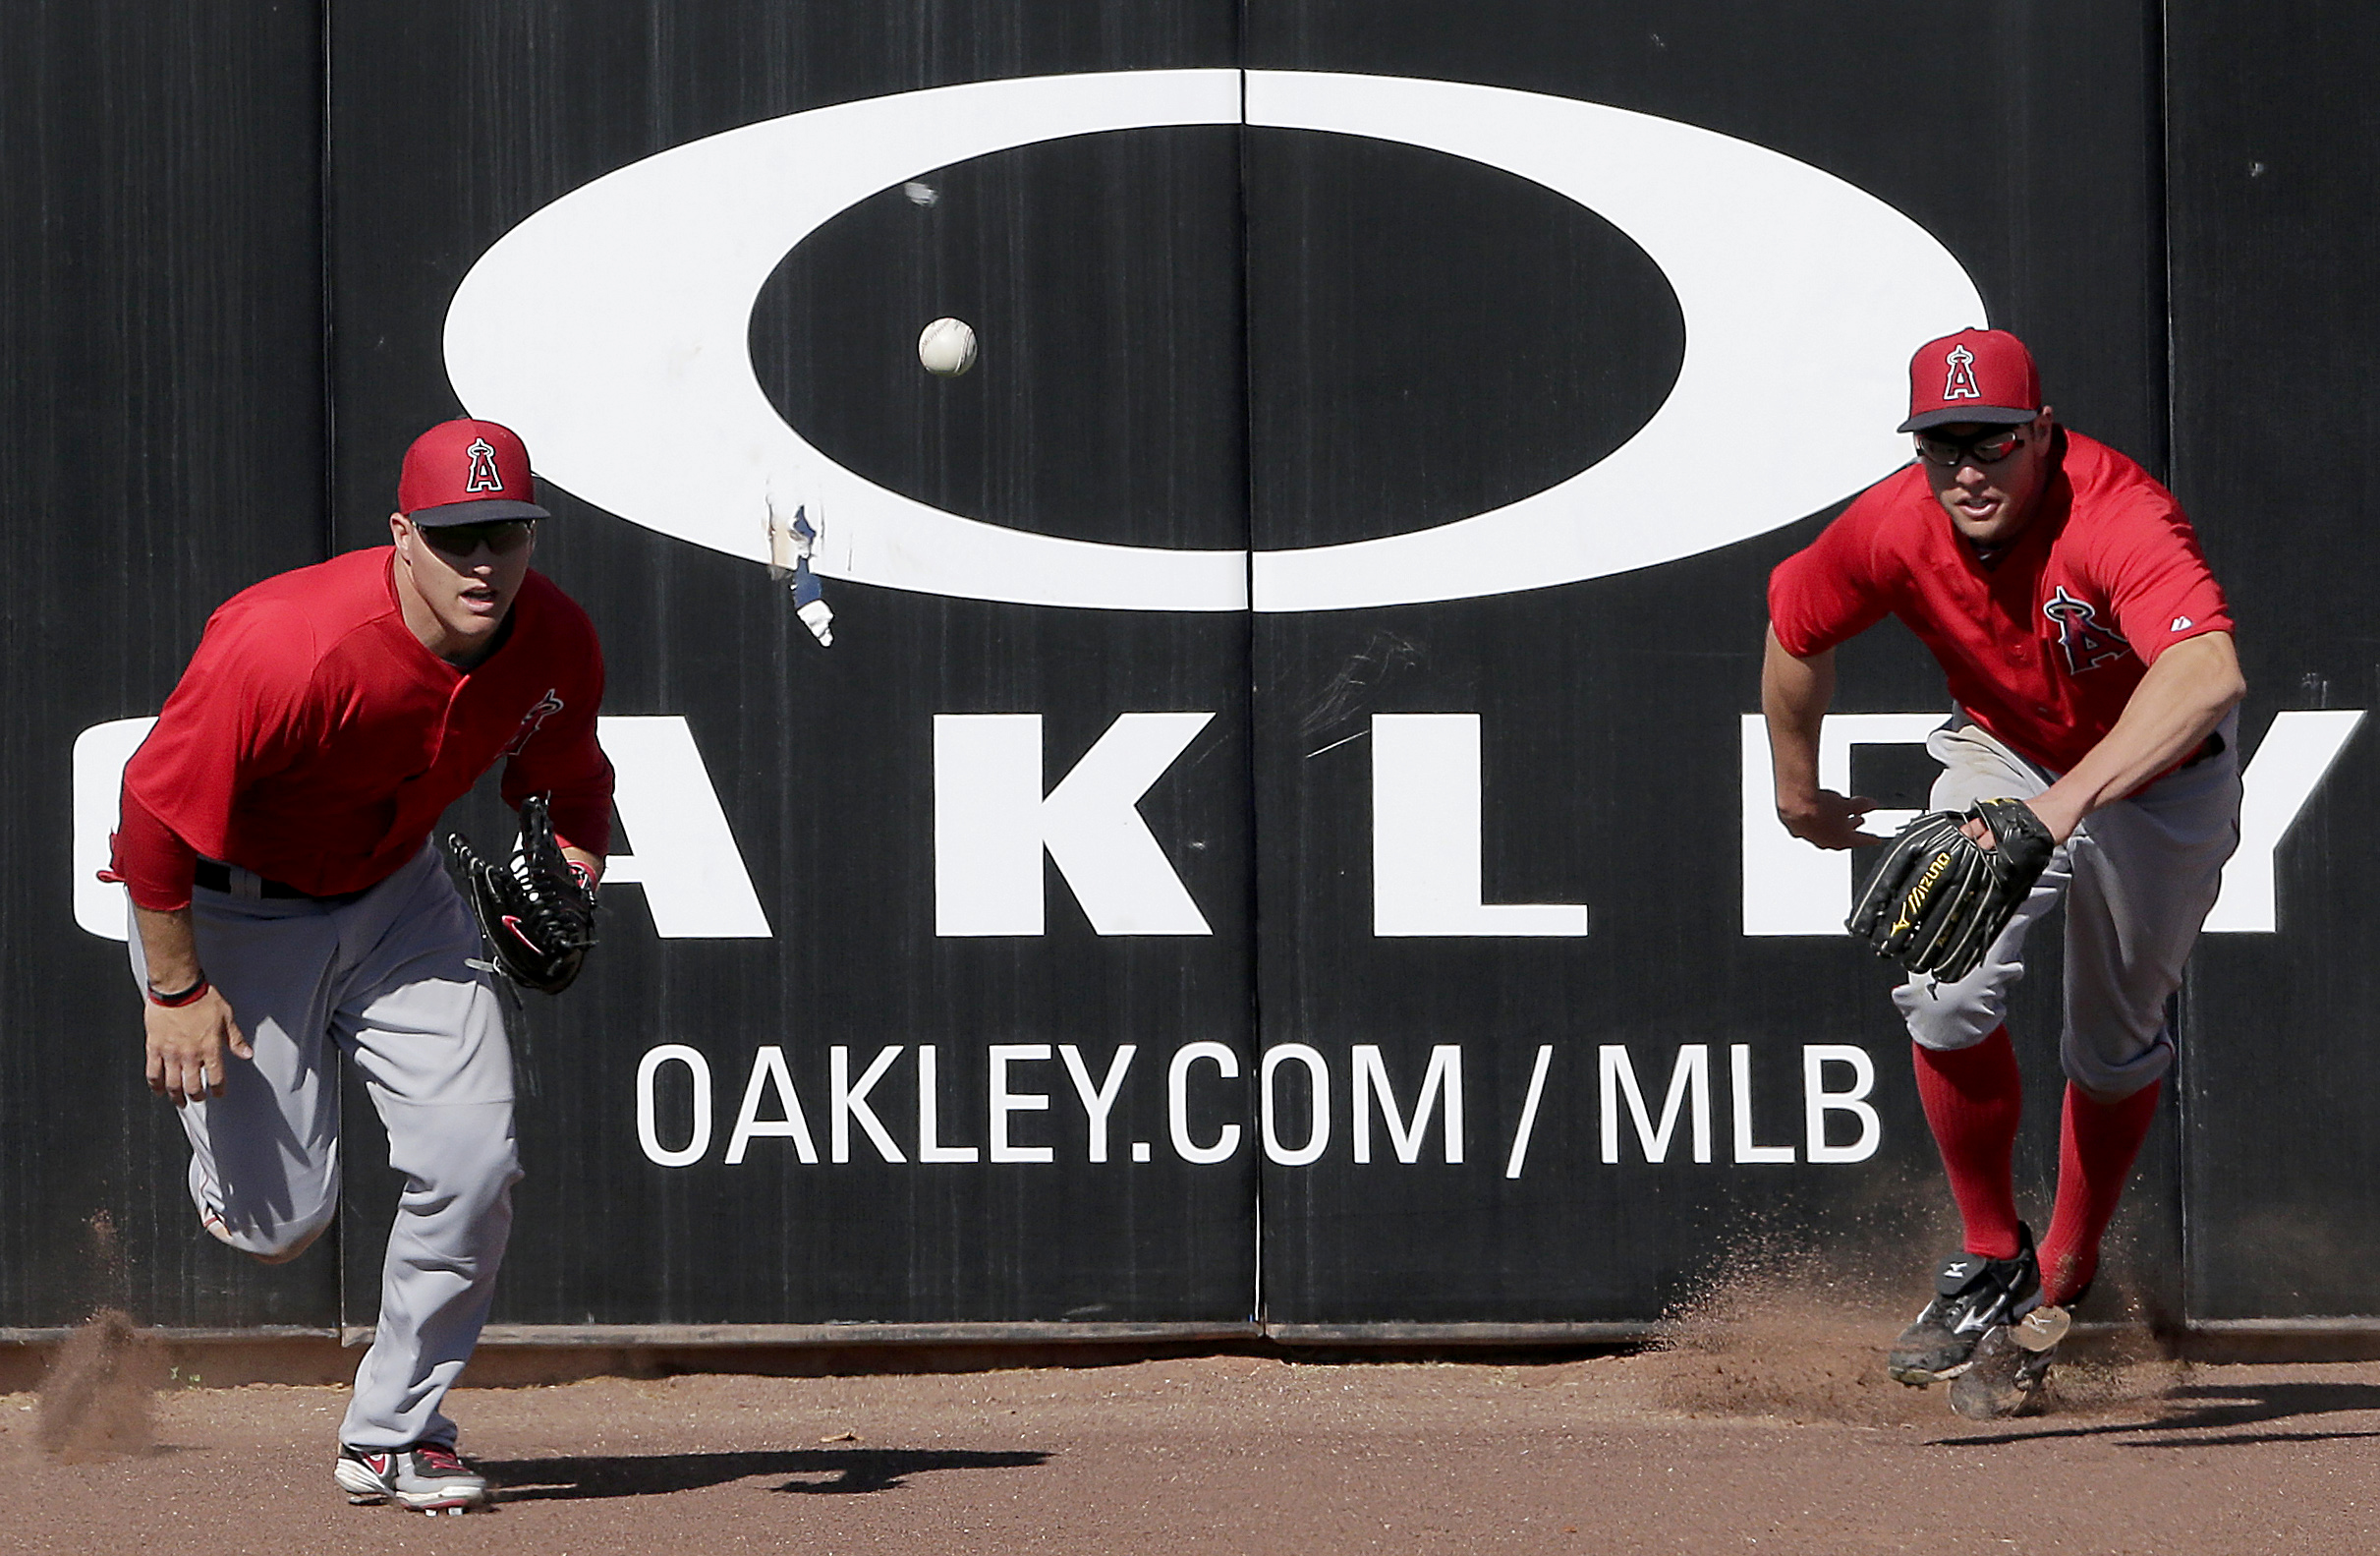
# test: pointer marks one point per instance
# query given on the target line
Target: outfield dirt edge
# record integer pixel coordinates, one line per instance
(232, 1360)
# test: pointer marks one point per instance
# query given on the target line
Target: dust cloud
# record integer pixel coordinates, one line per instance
(1793, 1334)
(96, 1399)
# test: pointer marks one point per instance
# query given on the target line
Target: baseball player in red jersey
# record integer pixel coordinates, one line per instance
(287, 903)
(2093, 677)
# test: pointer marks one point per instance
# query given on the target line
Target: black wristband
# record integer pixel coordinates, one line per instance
(174, 1002)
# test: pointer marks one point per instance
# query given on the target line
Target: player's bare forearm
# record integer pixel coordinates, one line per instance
(2178, 703)
(170, 948)
(186, 1044)
(594, 862)
(1795, 694)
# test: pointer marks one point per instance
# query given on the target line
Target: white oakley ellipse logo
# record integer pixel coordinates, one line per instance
(612, 330)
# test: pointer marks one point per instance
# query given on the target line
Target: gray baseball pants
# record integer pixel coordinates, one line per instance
(386, 980)
(2138, 878)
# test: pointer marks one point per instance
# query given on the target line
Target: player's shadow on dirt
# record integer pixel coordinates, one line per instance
(824, 1470)
(2209, 1415)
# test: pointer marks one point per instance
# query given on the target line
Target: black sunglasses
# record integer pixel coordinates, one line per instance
(1988, 447)
(500, 536)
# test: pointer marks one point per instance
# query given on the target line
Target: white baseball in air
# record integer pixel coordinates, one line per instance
(946, 347)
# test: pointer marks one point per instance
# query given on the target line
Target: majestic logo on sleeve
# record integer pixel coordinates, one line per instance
(484, 475)
(1960, 384)
(2086, 641)
(547, 706)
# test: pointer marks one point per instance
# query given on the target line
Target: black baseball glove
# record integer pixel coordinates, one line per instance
(1938, 898)
(538, 911)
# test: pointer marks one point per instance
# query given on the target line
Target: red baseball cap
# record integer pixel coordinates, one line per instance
(467, 472)
(1983, 376)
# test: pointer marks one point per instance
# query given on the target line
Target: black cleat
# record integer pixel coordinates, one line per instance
(1971, 1295)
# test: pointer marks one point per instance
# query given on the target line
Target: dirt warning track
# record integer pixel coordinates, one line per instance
(1241, 1454)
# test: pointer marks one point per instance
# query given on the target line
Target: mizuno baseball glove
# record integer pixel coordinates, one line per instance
(538, 911)
(1938, 900)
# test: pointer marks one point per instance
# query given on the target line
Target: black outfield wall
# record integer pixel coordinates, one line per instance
(2274, 327)
(1274, 834)
(166, 444)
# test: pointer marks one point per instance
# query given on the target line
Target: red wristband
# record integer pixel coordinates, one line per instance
(190, 996)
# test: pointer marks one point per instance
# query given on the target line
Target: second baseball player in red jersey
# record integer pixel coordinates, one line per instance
(288, 906)
(2094, 683)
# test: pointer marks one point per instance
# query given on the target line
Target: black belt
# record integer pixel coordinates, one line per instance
(216, 876)
(2208, 750)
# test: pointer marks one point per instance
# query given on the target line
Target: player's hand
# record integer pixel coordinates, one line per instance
(2055, 815)
(188, 1045)
(1829, 819)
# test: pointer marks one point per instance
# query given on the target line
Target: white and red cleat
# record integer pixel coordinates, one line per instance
(426, 1477)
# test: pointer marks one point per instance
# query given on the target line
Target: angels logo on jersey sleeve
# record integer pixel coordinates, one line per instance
(2085, 640)
(547, 706)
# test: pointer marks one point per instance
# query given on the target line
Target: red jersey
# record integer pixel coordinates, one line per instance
(316, 741)
(2043, 646)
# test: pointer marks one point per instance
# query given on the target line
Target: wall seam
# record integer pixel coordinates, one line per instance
(2159, 79)
(329, 539)
(1257, 1297)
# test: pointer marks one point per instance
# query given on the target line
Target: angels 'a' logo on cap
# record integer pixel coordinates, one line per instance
(1960, 384)
(484, 475)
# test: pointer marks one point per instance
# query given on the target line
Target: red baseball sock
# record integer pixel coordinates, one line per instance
(1973, 1098)
(2096, 1147)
